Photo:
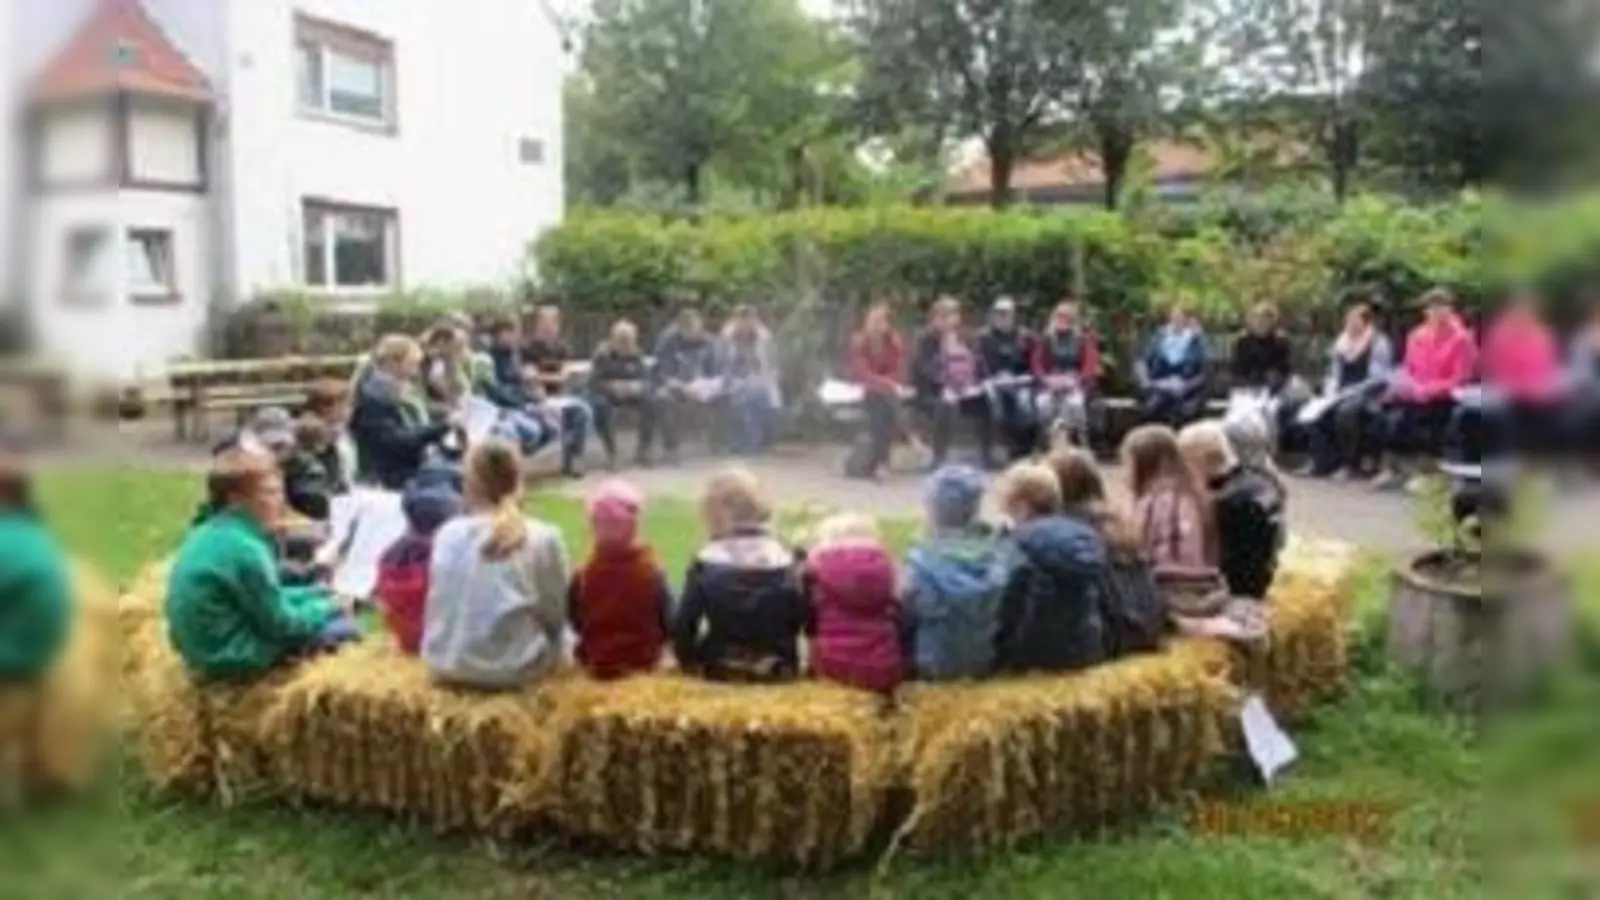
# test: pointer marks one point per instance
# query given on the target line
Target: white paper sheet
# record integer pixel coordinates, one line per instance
(478, 417)
(834, 392)
(342, 511)
(379, 522)
(705, 389)
(1270, 747)
(1315, 409)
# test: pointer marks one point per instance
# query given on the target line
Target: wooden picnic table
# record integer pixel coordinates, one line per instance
(245, 385)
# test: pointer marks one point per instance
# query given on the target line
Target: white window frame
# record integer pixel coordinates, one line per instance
(328, 210)
(327, 42)
(135, 240)
(79, 272)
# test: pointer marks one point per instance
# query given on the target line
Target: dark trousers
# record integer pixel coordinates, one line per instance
(1011, 411)
(1341, 438)
(675, 411)
(882, 413)
(945, 416)
(605, 410)
(1581, 426)
(1173, 410)
(1526, 429)
(1416, 429)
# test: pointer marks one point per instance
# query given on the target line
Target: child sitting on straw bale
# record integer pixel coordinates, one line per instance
(855, 611)
(402, 588)
(496, 609)
(742, 610)
(35, 590)
(1050, 618)
(307, 484)
(228, 614)
(1177, 527)
(1249, 509)
(619, 601)
(1133, 612)
(956, 577)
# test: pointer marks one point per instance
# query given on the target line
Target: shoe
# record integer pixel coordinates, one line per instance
(1387, 480)
(573, 471)
(1418, 485)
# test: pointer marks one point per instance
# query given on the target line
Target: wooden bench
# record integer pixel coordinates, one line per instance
(241, 387)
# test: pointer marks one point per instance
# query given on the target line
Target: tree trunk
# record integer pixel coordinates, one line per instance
(1116, 149)
(796, 188)
(1342, 148)
(1002, 161)
(692, 176)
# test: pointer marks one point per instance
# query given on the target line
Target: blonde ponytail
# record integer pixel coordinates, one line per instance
(494, 479)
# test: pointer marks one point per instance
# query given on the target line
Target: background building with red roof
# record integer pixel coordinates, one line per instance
(180, 156)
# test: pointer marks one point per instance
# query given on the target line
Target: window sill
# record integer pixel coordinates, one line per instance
(72, 300)
(155, 298)
(376, 127)
(350, 299)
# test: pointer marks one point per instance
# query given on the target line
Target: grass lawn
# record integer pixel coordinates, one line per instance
(1373, 748)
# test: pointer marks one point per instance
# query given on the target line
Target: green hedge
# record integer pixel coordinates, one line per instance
(1223, 258)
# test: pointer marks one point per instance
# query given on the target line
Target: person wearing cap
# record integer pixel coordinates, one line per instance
(1066, 362)
(229, 616)
(35, 589)
(619, 602)
(956, 578)
(403, 576)
(1439, 360)
(947, 378)
(1007, 350)
(1172, 371)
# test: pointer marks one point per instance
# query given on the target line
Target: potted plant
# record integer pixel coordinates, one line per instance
(1482, 615)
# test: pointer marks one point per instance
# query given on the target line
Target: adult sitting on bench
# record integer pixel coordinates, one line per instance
(1007, 351)
(947, 376)
(390, 425)
(619, 378)
(1066, 361)
(1172, 371)
(877, 364)
(686, 376)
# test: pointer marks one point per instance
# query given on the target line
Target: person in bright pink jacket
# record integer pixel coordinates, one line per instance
(1523, 371)
(855, 625)
(1441, 356)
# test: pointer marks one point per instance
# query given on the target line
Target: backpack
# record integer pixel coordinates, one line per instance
(1132, 608)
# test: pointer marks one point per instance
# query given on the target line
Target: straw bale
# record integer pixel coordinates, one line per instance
(795, 773)
(367, 728)
(998, 762)
(54, 734)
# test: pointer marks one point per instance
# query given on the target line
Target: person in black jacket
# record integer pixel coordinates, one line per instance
(619, 378)
(1008, 350)
(544, 363)
(685, 375)
(1248, 506)
(1050, 613)
(1262, 360)
(390, 426)
(742, 610)
(328, 404)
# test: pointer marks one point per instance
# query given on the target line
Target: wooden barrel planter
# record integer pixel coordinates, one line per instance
(1482, 642)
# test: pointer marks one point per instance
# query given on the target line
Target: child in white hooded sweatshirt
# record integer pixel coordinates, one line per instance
(496, 610)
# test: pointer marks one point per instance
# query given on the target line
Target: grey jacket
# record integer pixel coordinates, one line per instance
(494, 623)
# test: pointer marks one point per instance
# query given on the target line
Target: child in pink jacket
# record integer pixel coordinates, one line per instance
(1441, 355)
(855, 607)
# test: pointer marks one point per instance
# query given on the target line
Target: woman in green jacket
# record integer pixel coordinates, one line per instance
(35, 589)
(229, 616)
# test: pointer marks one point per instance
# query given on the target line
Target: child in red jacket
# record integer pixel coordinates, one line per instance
(855, 623)
(619, 602)
(402, 588)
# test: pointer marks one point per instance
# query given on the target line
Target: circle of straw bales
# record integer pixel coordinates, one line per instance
(805, 774)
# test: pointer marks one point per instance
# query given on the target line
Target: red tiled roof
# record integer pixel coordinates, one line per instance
(1173, 160)
(119, 48)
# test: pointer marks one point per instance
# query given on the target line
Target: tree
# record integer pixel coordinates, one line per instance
(598, 169)
(687, 83)
(1300, 63)
(1137, 72)
(995, 69)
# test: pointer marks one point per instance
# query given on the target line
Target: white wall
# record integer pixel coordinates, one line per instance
(472, 79)
(116, 338)
(10, 155)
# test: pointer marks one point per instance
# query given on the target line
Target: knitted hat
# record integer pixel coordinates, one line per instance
(428, 508)
(953, 495)
(613, 510)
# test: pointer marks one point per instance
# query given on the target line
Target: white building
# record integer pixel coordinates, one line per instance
(184, 155)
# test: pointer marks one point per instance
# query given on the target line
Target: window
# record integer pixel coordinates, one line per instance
(349, 246)
(149, 264)
(86, 275)
(345, 74)
(530, 151)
